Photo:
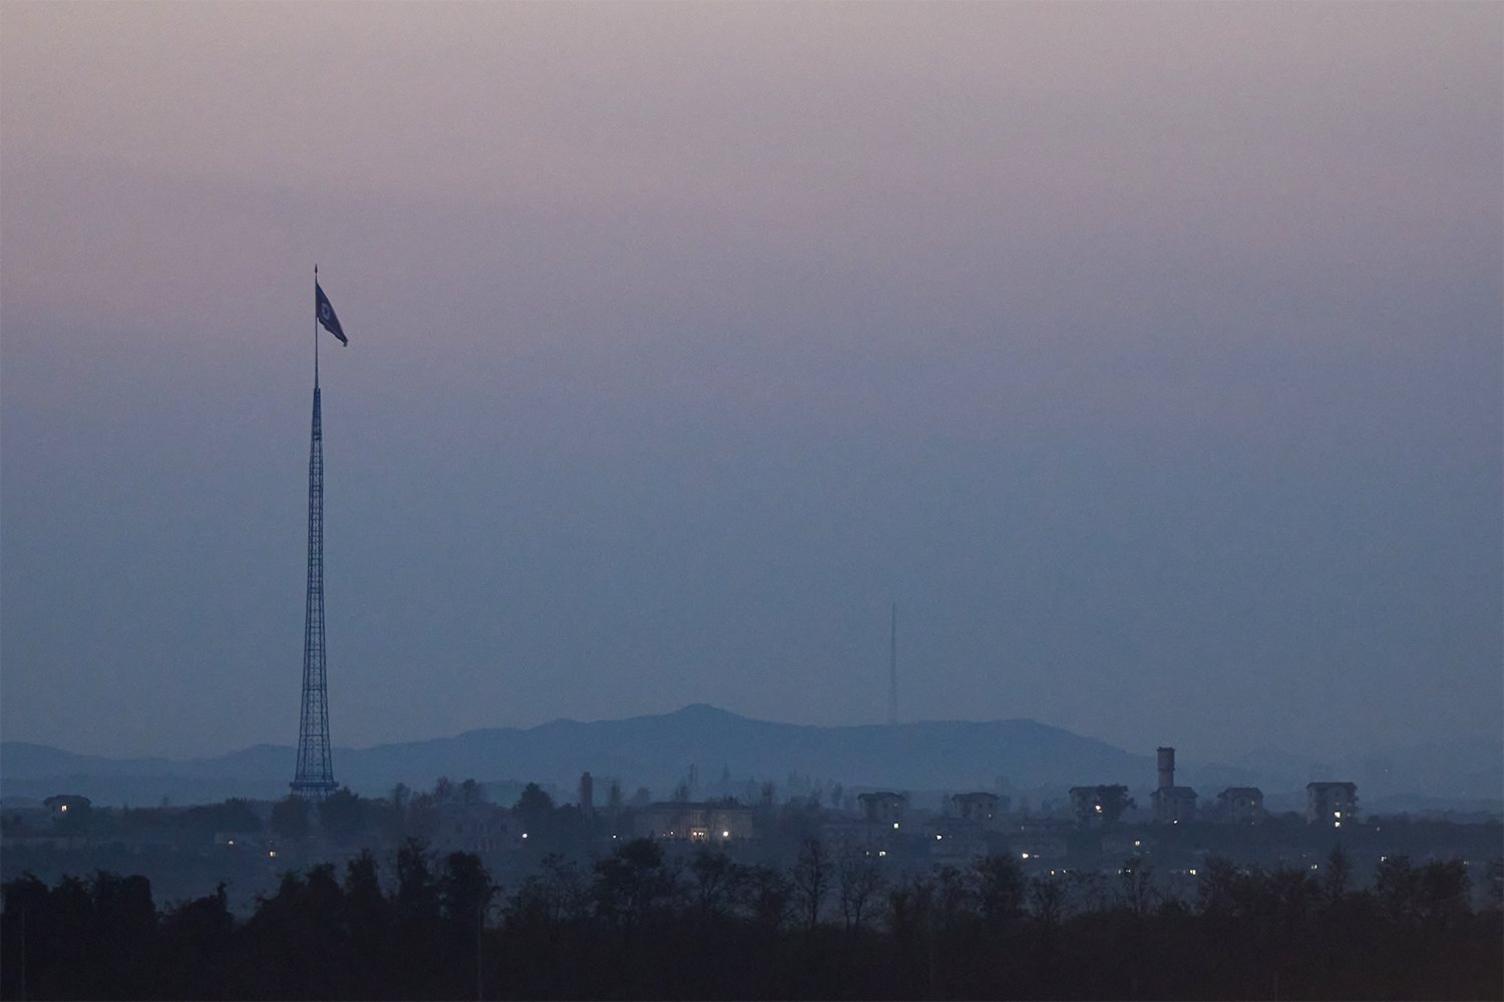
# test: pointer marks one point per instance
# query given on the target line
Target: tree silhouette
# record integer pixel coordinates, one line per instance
(717, 881)
(632, 883)
(342, 816)
(811, 878)
(1001, 890)
(859, 880)
(635, 930)
(290, 818)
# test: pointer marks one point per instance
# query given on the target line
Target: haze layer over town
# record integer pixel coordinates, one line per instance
(1147, 357)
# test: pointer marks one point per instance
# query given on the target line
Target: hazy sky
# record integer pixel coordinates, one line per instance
(1148, 355)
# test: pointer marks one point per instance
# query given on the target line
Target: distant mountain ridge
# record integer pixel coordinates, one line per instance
(657, 751)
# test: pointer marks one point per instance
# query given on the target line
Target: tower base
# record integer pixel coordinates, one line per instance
(313, 789)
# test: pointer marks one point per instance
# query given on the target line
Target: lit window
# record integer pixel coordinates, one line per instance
(882, 852)
(1024, 855)
(725, 834)
(63, 808)
(895, 826)
(939, 837)
(271, 854)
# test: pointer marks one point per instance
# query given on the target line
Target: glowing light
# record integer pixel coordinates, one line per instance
(1024, 855)
(939, 837)
(1099, 808)
(271, 854)
(1336, 824)
(1192, 872)
(882, 852)
(1137, 843)
(230, 842)
(725, 834)
(62, 808)
(895, 826)
(524, 834)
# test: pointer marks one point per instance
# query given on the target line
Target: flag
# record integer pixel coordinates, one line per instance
(325, 312)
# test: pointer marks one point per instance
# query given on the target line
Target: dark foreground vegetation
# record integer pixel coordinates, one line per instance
(637, 925)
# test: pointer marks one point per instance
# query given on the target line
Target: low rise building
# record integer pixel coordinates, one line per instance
(1240, 805)
(1037, 847)
(959, 845)
(709, 821)
(1127, 842)
(1331, 803)
(65, 805)
(1098, 805)
(981, 808)
(1174, 805)
(883, 807)
(476, 827)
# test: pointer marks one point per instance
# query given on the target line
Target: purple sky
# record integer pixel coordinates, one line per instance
(1148, 355)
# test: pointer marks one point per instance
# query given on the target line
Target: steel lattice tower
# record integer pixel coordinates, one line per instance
(315, 775)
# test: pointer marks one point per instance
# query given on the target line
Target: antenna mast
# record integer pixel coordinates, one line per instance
(893, 667)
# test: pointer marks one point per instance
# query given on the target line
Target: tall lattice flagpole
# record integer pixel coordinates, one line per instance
(315, 775)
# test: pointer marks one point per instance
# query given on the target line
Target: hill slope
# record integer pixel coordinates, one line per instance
(652, 750)
(657, 751)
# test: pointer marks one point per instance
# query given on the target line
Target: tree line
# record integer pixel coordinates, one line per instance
(640, 923)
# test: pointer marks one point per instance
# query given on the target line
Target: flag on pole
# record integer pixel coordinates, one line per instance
(325, 312)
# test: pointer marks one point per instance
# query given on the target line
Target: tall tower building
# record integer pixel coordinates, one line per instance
(315, 775)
